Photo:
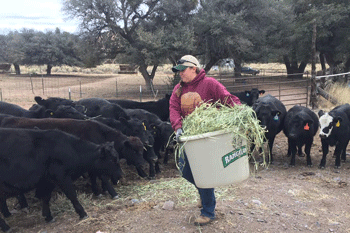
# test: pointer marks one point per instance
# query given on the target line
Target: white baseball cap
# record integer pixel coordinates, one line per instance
(184, 62)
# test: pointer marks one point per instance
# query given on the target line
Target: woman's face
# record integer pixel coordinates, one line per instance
(188, 74)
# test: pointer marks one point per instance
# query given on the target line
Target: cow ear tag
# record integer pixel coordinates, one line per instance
(51, 113)
(275, 117)
(247, 94)
(307, 127)
(338, 124)
(144, 125)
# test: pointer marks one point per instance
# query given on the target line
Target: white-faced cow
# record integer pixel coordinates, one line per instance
(300, 127)
(335, 131)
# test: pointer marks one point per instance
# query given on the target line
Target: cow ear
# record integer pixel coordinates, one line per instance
(320, 113)
(107, 149)
(337, 121)
(39, 100)
(261, 92)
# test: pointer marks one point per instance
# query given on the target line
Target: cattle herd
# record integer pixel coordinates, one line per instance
(57, 140)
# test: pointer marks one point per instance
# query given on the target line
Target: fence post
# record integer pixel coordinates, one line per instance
(42, 83)
(1, 94)
(81, 94)
(140, 93)
(116, 87)
(69, 93)
(31, 83)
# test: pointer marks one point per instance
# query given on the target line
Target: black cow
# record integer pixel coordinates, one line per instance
(129, 148)
(161, 130)
(335, 131)
(300, 127)
(270, 112)
(15, 110)
(66, 111)
(53, 102)
(134, 127)
(249, 97)
(42, 159)
(130, 127)
(101, 107)
(159, 107)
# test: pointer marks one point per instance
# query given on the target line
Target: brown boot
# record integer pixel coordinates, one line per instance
(199, 203)
(202, 220)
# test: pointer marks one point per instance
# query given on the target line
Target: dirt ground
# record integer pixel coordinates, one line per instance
(277, 199)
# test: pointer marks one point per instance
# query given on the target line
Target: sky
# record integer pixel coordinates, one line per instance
(40, 15)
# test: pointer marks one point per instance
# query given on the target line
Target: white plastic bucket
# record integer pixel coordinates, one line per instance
(213, 159)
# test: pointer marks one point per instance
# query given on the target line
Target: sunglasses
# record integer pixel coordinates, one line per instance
(181, 61)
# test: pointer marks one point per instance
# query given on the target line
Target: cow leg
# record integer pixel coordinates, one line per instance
(271, 140)
(4, 227)
(343, 154)
(4, 208)
(337, 152)
(22, 201)
(152, 170)
(140, 171)
(67, 187)
(108, 186)
(93, 180)
(293, 149)
(325, 149)
(289, 152)
(43, 192)
(307, 152)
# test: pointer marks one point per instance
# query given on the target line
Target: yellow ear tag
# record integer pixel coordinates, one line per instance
(144, 125)
(338, 124)
(51, 113)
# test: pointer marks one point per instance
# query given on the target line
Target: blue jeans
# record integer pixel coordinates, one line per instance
(207, 195)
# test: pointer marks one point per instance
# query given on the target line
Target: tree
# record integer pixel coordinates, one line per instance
(235, 29)
(50, 48)
(134, 23)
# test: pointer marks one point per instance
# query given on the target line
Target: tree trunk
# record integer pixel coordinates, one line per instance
(148, 77)
(210, 64)
(323, 63)
(347, 65)
(17, 69)
(48, 69)
(293, 68)
(238, 67)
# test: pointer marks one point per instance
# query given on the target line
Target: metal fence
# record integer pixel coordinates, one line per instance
(19, 89)
(289, 90)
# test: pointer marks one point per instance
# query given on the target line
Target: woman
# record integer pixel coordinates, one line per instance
(194, 88)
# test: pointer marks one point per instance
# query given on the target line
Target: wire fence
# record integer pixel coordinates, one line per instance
(22, 89)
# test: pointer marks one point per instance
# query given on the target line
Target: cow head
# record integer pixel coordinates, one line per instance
(53, 102)
(132, 151)
(267, 115)
(327, 123)
(253, 95)
(299, 126)
(108, 163)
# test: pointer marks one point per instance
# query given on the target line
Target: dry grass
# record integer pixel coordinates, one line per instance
(339, 91)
